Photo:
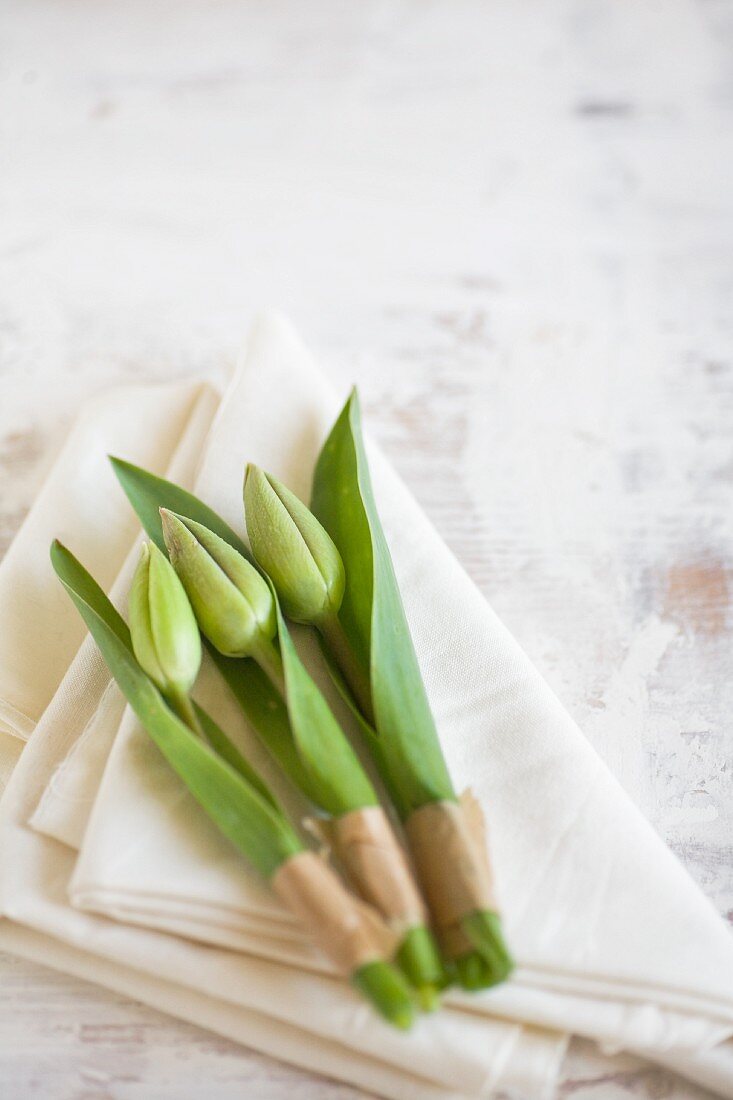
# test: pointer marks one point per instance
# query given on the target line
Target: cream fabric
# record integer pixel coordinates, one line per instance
(458, 1055)
(252, 1000)
(613, 938)
(89, 707)
(81, 486)
(11, 747)
(531, 1060)
(599, 913)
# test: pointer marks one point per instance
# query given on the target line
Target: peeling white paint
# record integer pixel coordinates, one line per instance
(620, 727)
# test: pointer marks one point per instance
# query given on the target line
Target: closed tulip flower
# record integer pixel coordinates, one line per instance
(303, 562)
(293, 549)
(232, 602)
(165, 637)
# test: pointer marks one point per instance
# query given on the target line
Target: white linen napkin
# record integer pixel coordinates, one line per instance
(271, 1007)
(615, 939)
(612, 936)
(530, 1062)
(450, 1054)
(11, 747)
(93, 705)
(78, 502)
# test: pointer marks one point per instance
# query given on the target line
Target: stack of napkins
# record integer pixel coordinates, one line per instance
(109, 870)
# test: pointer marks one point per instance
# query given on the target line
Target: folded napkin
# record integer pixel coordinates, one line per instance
(530, 1061)
(70, 504)
(11, 747)
(91, 704)
(73, 503)
(267, 1005)
(613, 938)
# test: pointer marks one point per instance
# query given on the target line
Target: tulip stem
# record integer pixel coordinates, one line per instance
(268, 658)
(356, 677)
(182, 704)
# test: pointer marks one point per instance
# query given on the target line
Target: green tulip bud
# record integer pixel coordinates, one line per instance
(294, 550)
(232, 602)
(165, 637)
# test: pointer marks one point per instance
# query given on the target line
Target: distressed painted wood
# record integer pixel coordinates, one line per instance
(511, 224)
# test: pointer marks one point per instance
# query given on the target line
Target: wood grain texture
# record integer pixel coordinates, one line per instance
(511, 223)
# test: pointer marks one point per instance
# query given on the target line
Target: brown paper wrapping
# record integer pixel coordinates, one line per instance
(376, 866)
(448, 844)
(348, 930)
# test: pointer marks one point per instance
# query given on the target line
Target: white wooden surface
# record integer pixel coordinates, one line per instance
(511, 223)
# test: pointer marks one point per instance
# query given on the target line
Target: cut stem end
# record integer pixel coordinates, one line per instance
(386, 989)
(419, 960)
(490, 962)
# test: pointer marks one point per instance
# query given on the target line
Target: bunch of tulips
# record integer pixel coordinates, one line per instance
(403, 901)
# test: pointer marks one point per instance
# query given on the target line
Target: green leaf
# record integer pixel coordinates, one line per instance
(250, 821)
(333, 767)
(267, 714)
(411, 760)
(372, 614)
(337, 502)
(228, 751)
(371, 738)
(292, 739)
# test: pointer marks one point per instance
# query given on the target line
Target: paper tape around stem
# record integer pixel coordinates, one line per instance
(350, 932)
(448, 845)
(375, 864)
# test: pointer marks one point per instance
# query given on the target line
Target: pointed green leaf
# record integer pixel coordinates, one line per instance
(333, 767)
(249, 820)
(373, 616)
(228, 751)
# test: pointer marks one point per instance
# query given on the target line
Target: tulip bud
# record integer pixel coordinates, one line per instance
(293, 548)
(165, 637)
(232, 602)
